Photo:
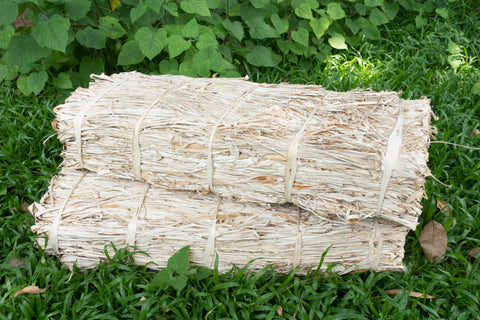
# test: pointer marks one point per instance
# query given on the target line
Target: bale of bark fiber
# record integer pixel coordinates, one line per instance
(347, 155)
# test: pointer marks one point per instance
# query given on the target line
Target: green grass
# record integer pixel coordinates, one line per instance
(416, 62)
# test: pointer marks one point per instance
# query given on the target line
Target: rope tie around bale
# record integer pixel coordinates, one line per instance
(291, 164)
(375, 246)
(210, 166)
(298, 243)
(132, 225)
(209, 254)
(136, 157)
(390, 160)
(78, 120)
(53, 234)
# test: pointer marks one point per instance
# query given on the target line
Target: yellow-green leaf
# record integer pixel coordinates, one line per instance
(337, 41)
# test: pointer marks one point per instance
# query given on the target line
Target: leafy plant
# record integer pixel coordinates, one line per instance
(65, 41)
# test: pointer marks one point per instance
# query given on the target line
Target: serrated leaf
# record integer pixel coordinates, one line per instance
(199, 7)
(177, 45)
(319, 26)
(137, 12)
(373, 3)
(391, 9)
(234, 28)
(304, 11)
(300, 36)
(260, 56)
(476, 89)
(8, 13)
(188, 68)
(36, 81)
(191, 29)
(442, 12)
(420, 21)
(3, 72)
(179, 282)
(130, 54)
(207, 38)
(52, 33)
(337, 41)
(155, 5)
(180, 261)
(433, 240)
(5, 36)
(23, 50)
(161, 279)
(281, 25)
(259, 29)
(63, 81)
(151, 42)
(77, 9)
(111, 27)
(22, 85)
(377, 17)
(91, 38)
(335, 11)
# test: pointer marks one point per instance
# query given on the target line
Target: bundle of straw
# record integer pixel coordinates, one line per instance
(341, 155)
(82, 212)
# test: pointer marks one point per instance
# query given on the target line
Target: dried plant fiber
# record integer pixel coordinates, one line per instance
(350, 155)
(82, 212)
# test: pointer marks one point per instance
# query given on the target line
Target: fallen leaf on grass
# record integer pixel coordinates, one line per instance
(280, 311)
(24, 207)
(17, 262)
(411, 294)
(443, 206)
(31, 290)
(433, 240)
(475, 132)
(474, 252)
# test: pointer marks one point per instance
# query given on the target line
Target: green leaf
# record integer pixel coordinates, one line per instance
(90, 65)
(3, 72)
(22, 85)
(137, 12)
(335, 11)
(130, 54)
(52, 33)
(337, 41)
(369, 30)
(391, 9)
(36, 81)
(9, 12)
(155, 5)
(373, 3)
(260, 56)
(63, 81)
(476, 89)
(199, 7)
(202, 273)
(171, 8)
(168, 66)
(442, 12)
(207, 38)
(111, 27)
(353, 25)
(191, 29)
(161, 279)
(23, 50)
(178, 283)
(234, 28)
(77, 9)
(319, 26)
(453, 48)
(304, 11)
(420, 21)
(260, 3)
(177, 45)
(361, 8)
(91, 38)
(259, 29)
(300, 36)
(151, 42)
(280, 25)
(3, 189)
(377, 17)
(180, 261)
(5, 36)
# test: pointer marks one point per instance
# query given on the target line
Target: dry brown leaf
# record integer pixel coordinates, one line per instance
(474, 252)
(24, 207)
(17, 262)
(413, 294)
(31, 290)
(143, 298)
(280, 311)
(443, 206)
(475, 132)
(433, 240)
